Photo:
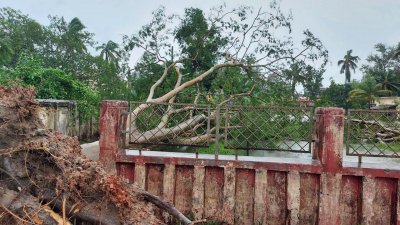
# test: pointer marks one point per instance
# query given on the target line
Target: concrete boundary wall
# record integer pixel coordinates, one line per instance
(63, 116)
(324, 190)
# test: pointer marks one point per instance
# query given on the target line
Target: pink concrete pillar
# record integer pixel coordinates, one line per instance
(329, 150)
(329, 134)
(110, 116)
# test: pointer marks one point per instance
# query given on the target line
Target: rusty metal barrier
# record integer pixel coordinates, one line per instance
(373, 133)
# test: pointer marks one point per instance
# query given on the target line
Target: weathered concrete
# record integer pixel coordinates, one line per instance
(198, 192)
(270, 190)
(110, 132)
(398, 202)
(293, 197)
(330, 199)
(329, 134)
(260, 197)
(309, 201)
(350, 200)
(277, 198)
(168, 186)
(154, 179)
(385, 201)
(63, 116)
(244, 196)
(214, 193)
(126, 171)
(140, 175)
(229, 194)
(379, 201)
(169, 182)
(184, 177)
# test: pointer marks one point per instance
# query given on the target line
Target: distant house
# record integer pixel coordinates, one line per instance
(391, 102)
(305, 102)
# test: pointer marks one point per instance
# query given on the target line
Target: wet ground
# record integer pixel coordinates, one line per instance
(91, 150)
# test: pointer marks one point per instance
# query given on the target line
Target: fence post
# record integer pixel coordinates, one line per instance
(110, 112)
(329, 150)
(217, 127)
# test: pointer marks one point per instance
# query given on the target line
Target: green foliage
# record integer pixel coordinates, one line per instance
(53, 84)
(384, 67)
(221, 150)
(365, 92)
(335, 95)
(224, 36)
(18, 34)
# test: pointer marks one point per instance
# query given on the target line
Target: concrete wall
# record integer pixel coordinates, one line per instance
(324, 190)
(394, 100)
(62, 116)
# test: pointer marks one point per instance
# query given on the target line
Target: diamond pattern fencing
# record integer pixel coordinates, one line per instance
(374, 133)
(268, 128)
(169, 124)
(236, 127)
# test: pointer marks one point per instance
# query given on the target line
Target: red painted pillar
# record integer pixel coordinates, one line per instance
(329, 149)
(110, 116)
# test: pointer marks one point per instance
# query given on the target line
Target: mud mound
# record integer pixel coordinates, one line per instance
(45, 179)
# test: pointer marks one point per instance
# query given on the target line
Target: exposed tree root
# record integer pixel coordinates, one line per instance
(45, 179)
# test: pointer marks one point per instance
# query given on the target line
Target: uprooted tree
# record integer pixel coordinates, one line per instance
(206, 53)
(45, 179)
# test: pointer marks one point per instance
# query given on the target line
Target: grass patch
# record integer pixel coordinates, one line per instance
(391, 146)
(222, 150)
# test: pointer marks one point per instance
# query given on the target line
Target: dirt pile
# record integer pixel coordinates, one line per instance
(45, 179)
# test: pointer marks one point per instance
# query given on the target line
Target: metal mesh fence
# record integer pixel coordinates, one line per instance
(169, 124)
(237, 127)
(268, 128)
(374, 133)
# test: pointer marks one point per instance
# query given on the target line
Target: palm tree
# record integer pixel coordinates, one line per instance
(397, 52)
(368, 90)
(387, 82)
(348, 62)
(109, 52)
(75, 37)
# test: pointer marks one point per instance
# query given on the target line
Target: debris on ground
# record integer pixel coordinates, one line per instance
(45, 179)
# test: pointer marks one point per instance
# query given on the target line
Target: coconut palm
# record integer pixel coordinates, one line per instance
(367, 90)
(388, 82)
(109, 52)
(75, 37)
(348, 62)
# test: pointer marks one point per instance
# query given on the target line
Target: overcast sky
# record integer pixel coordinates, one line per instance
(340, 24)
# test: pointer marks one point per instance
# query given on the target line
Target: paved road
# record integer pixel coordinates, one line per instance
(91, 150)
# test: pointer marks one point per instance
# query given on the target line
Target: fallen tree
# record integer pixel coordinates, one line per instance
(45, 179)
(195, 52)
(382, 132)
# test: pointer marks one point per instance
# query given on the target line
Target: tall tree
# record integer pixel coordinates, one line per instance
(19, 35)
(397, 52)
(250, 47)
(109, 52)
(294, 75)
(6, 52)
(384, 67)
(348, 62)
